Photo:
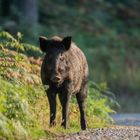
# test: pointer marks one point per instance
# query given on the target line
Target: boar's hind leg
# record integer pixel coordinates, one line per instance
(51, 94)
(64, 100)
(81, 102)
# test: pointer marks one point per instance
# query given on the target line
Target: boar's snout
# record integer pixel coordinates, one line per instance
(56, 79)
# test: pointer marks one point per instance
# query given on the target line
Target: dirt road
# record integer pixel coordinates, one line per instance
(127, 128)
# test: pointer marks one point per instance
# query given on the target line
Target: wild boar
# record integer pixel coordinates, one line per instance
(65, 71)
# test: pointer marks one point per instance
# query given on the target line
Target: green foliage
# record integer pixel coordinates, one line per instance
(24, 108)
(99, 101)
(8, 41)
(18, 93)
(16, 112)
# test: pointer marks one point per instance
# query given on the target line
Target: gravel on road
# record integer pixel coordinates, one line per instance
(111, 133)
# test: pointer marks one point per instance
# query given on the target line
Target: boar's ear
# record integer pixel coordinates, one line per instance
(43, 43)
(67, 42)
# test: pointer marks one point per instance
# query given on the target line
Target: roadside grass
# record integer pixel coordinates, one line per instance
(25, 110)
(73, 122)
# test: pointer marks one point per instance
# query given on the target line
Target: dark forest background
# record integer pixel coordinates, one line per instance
(108, 31)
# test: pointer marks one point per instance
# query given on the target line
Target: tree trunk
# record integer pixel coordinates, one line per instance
(5, 7)
(0, 8)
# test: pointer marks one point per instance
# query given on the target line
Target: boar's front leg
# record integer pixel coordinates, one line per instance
(51, 94)
(64, 97)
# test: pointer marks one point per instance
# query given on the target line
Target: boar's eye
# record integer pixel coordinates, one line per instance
(62, 57)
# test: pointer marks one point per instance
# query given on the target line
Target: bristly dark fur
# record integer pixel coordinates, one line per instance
(65, 70)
